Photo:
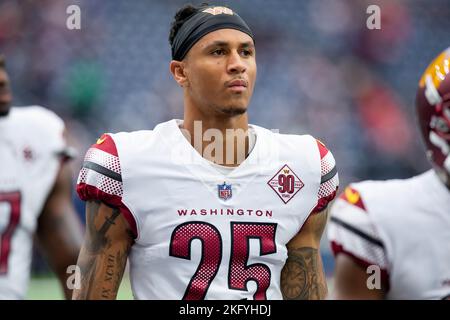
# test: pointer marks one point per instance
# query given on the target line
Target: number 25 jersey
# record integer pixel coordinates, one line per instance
(202, 233)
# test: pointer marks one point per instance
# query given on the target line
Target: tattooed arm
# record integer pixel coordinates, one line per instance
(302, 277)
(350, 281)
(103, 257)
(59, 233)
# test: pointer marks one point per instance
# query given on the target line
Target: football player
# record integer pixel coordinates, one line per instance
(195, 226)
(35, 194)
(400, 228)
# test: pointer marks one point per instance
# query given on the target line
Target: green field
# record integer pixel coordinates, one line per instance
(48, 288)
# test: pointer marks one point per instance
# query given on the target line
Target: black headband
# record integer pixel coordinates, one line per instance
(206, 20)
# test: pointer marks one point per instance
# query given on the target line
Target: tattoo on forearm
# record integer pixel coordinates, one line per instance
(121, 260)
(302, 277)
(98, 237)
(109, 274)
(88, 265)
(110, 267)
(113, 274)
(101, 260)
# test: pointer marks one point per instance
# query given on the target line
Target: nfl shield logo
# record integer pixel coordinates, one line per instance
(224, 191)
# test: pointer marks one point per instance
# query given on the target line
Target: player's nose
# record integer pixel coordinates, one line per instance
(235, 63)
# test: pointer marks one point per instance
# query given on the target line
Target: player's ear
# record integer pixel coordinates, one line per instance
(177, 68)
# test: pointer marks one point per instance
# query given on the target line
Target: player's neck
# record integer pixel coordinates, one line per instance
(222, 140)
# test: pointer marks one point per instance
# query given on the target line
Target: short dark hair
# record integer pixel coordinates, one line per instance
(2, 61)
(182, 15)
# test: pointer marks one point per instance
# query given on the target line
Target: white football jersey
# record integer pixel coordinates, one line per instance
(200, 233)
(402, 226)
(31, 140)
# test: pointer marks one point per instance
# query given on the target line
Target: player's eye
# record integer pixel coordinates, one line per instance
(247, 53)
(218, 52)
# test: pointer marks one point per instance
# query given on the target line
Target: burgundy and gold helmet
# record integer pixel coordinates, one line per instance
(433, 111)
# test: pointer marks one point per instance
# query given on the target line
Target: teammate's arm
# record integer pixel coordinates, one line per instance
(59, 231)
(356, 244)
(103, 257)
(302, 277)
(350, 281)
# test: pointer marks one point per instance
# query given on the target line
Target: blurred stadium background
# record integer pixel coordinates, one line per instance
(320, 71)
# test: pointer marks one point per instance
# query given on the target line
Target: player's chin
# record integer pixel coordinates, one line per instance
(234, 109)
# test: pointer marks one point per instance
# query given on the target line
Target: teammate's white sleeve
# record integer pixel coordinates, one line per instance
(329, 178)
(100, 178)
(50, 128)
(351, 231)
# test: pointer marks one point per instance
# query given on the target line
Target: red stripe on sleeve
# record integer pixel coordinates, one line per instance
(322, 149)
(322, 204)
(337, 248)
(353, 197)
(88, 192)
(106, 143)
